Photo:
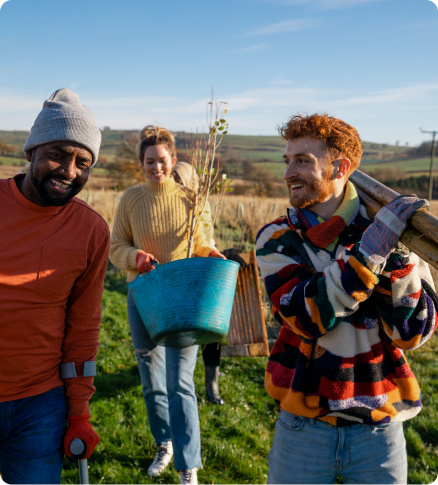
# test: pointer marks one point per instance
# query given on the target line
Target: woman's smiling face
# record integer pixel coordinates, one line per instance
(158, 164)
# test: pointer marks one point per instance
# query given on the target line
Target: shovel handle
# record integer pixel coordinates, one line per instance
(77, 448)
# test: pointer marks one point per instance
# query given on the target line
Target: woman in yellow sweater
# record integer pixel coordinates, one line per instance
(151, 226)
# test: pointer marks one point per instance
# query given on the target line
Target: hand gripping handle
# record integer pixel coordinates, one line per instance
(78, 449)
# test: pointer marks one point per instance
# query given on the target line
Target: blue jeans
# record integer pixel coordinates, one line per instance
(310, 451)
(166, 375)
(31, 438)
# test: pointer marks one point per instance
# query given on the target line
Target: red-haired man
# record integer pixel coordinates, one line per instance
(350, 299)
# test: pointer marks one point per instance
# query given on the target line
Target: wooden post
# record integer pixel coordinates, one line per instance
(421, 235)
(432, 153)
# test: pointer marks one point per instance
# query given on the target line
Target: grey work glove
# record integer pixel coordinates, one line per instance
(381, 237)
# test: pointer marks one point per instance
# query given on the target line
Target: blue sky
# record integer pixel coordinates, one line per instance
(372, 63)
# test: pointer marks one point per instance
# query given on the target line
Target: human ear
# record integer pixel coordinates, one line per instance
(341, 167)
(28, 155)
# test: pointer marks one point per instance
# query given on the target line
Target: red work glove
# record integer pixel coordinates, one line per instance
(79, 427)
(216, 254)
(145, 262)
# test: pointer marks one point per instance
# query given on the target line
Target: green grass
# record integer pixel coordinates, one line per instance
(17, 138)
(415, 166)
(422, 432)
(12, 161)
(236, 437)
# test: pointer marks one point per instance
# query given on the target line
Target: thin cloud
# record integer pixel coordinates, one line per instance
(254, 112)
(324, 4)
(18, 104)
(281, 27)
(271, 97)
(338, 4)
(404, 94)
(249, 49)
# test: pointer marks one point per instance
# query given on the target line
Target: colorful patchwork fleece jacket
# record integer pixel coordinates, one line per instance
(339, 355)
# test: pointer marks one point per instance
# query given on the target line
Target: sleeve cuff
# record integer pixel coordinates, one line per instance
(373, 262)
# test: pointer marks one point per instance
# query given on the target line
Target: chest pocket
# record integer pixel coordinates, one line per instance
(58, 270)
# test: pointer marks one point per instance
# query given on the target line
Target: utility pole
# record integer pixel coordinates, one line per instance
(432, 153)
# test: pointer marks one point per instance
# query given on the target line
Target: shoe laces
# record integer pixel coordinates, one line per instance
(163, 450)
(188, 476)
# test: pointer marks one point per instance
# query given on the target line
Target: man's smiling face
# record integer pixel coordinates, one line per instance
(58, 171)
(308, 172)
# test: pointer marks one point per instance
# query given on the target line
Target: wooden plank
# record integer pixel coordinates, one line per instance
(247, 350)
(247, 334)
(258, 304)
(423, 221)
(411, 238)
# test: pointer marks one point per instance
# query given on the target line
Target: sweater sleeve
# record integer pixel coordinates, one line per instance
(402, 296)
(299, 293)
(123, 254)
(406, 301)
(83, 315)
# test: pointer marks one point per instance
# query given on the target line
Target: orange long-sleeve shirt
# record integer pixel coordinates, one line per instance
(52, 266)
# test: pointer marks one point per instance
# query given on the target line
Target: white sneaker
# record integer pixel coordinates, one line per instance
(188, 476)
(162, 459)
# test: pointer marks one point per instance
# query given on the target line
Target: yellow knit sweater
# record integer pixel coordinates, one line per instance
(153, 217)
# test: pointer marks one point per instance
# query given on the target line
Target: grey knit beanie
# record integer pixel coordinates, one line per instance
(64, 117)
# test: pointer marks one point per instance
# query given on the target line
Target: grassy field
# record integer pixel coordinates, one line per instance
(246, 146)
(417, 166)
(236, 438)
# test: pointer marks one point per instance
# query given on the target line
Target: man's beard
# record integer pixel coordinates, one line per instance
(50, 198)
(317, 191)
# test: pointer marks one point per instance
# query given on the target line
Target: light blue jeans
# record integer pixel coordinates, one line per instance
(31, 438)
(166, 375)
(311, 451)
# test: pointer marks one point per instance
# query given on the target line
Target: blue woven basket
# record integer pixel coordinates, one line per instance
(188, 301)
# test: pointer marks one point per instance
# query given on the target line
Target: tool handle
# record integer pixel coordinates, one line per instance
(83, 472)
(78, 448)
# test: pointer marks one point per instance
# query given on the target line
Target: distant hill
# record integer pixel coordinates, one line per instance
(255, 148)
(17, 138)
(256, 160)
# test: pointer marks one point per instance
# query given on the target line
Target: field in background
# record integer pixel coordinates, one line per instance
(236, 437)
(415, 166)
(266, 150)
(239, 217)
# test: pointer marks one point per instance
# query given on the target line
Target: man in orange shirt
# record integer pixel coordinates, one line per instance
(54, 252)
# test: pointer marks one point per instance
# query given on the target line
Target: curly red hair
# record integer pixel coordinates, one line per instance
(341, 139)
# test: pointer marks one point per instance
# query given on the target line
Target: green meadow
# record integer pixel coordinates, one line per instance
(236, 437)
